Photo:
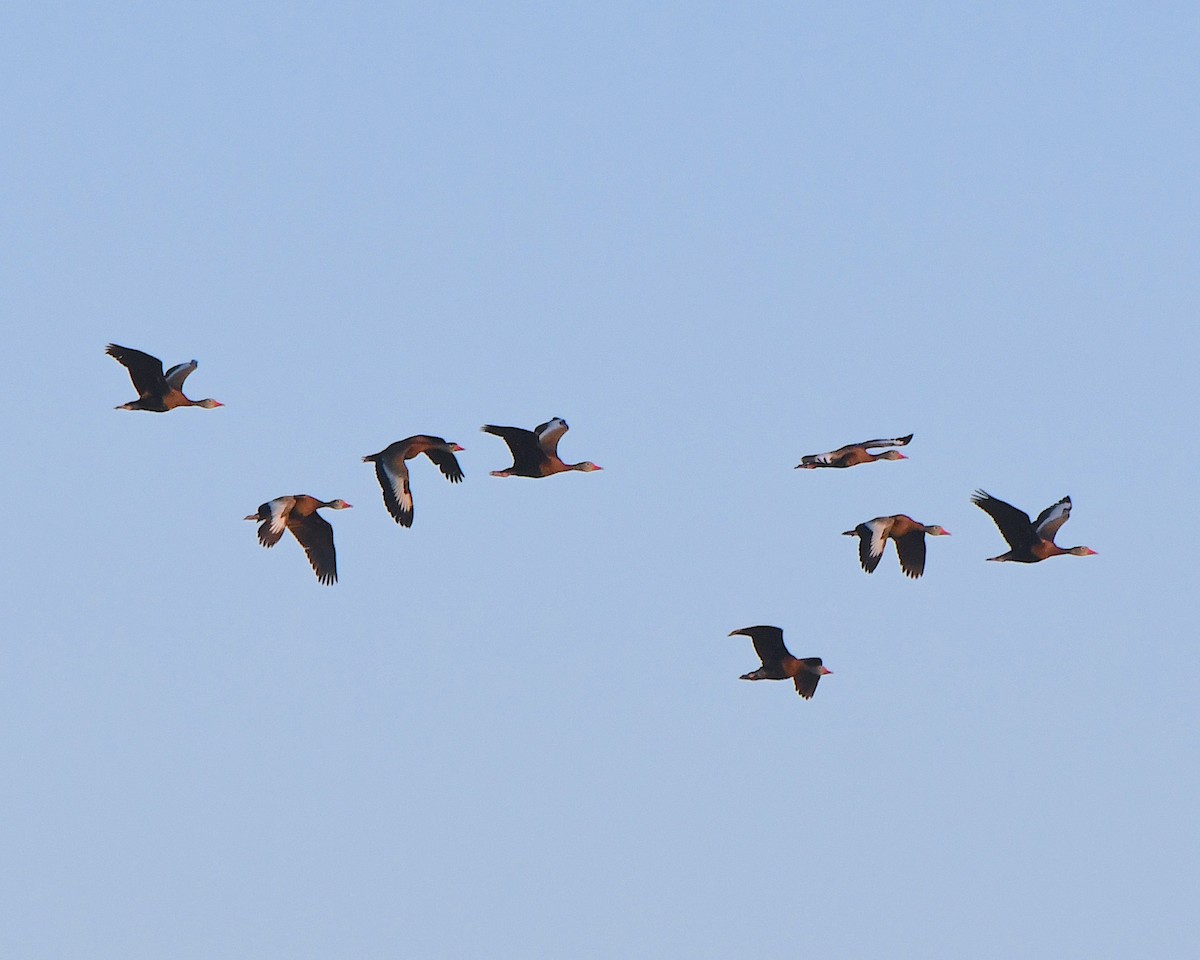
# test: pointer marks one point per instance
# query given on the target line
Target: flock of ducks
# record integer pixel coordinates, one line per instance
(535, 454)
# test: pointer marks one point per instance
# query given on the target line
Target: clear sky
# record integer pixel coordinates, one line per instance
(713, 237)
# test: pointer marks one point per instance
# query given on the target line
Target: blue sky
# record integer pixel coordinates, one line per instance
(712, 238)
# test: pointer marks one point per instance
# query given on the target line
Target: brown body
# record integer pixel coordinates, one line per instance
(158, 392)
(779, 664)
(298, 514)
(908, 534)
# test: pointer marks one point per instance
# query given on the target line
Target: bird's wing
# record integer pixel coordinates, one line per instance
(549, 433)
(316, 537)
(911, 550)
(806, 683)
(1014, 524)
(1052, 518)
(522, 443)
(447, 462)
(392, 473)
(824, 459)
(768, 644)
(274, 514)
(872, 538)
(145, 371)
(178, 373)
(894, 442)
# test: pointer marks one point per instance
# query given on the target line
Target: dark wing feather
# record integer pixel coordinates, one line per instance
(145, 371)
(865, 535)
(894, 442)
(447, 462)
(911, 550)
(523, 444)
(316, 537)
(1014, 524)
(806, 683)
(768, 644)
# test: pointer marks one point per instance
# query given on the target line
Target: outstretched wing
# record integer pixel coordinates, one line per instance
(911, 550)
(806, 683)
(522, 443)
(872, 538)
(274, 514)
(145, 371)
(447, 462)
(768, 643)
(1014, 524)
(178, 373)
(1052, 518)
(392, 474)
(316, 537)
(549, 433)
(894, 442)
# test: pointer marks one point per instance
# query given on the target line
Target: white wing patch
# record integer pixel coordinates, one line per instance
(280, 508)
(178, 373)
(878, 530)
(1054, 518)
(551, 433)
(398, 480)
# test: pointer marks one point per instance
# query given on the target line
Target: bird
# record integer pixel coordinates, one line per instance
(392, 471)
(1031, 541)
(535, 452)
(853, 454)
(298, 513)
(908, 534)
(157, 392)
(778, 664)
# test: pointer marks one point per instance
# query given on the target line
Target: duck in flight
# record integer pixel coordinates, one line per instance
(1031, 540)
(779, 664)
(299, 514)
(535, 452)
(158, 392)
(853, 454)
(392, 471)
(908, 534)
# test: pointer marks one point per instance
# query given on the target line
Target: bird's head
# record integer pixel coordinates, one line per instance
(936, 530)
(339, 505)
(587, 466)
(892, 455)
(1082, 552)
(209, 404)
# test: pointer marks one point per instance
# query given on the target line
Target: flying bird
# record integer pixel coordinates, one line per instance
(535, 452)
(853, 454)
(908, 534)
(1031, 540)
(158, 392)
(392, 471)
(778, 664)
(299, 514)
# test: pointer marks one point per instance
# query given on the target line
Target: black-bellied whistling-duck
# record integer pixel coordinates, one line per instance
(158, 392)
(1031, 540)
(778, 664)
(853, 454)
(299, 514)
(392, 471)
(908, 534)
(535, 452)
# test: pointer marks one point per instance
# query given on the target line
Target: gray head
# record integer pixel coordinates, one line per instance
(587, 466)
(934, 530)
(337, 505)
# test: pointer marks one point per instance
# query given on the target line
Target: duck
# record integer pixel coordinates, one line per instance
(158, 392)
(1031, 540)
(853, 454)
(298, 513)
(392, 471)
(778, 664)
(535, 452)
(908, 534)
